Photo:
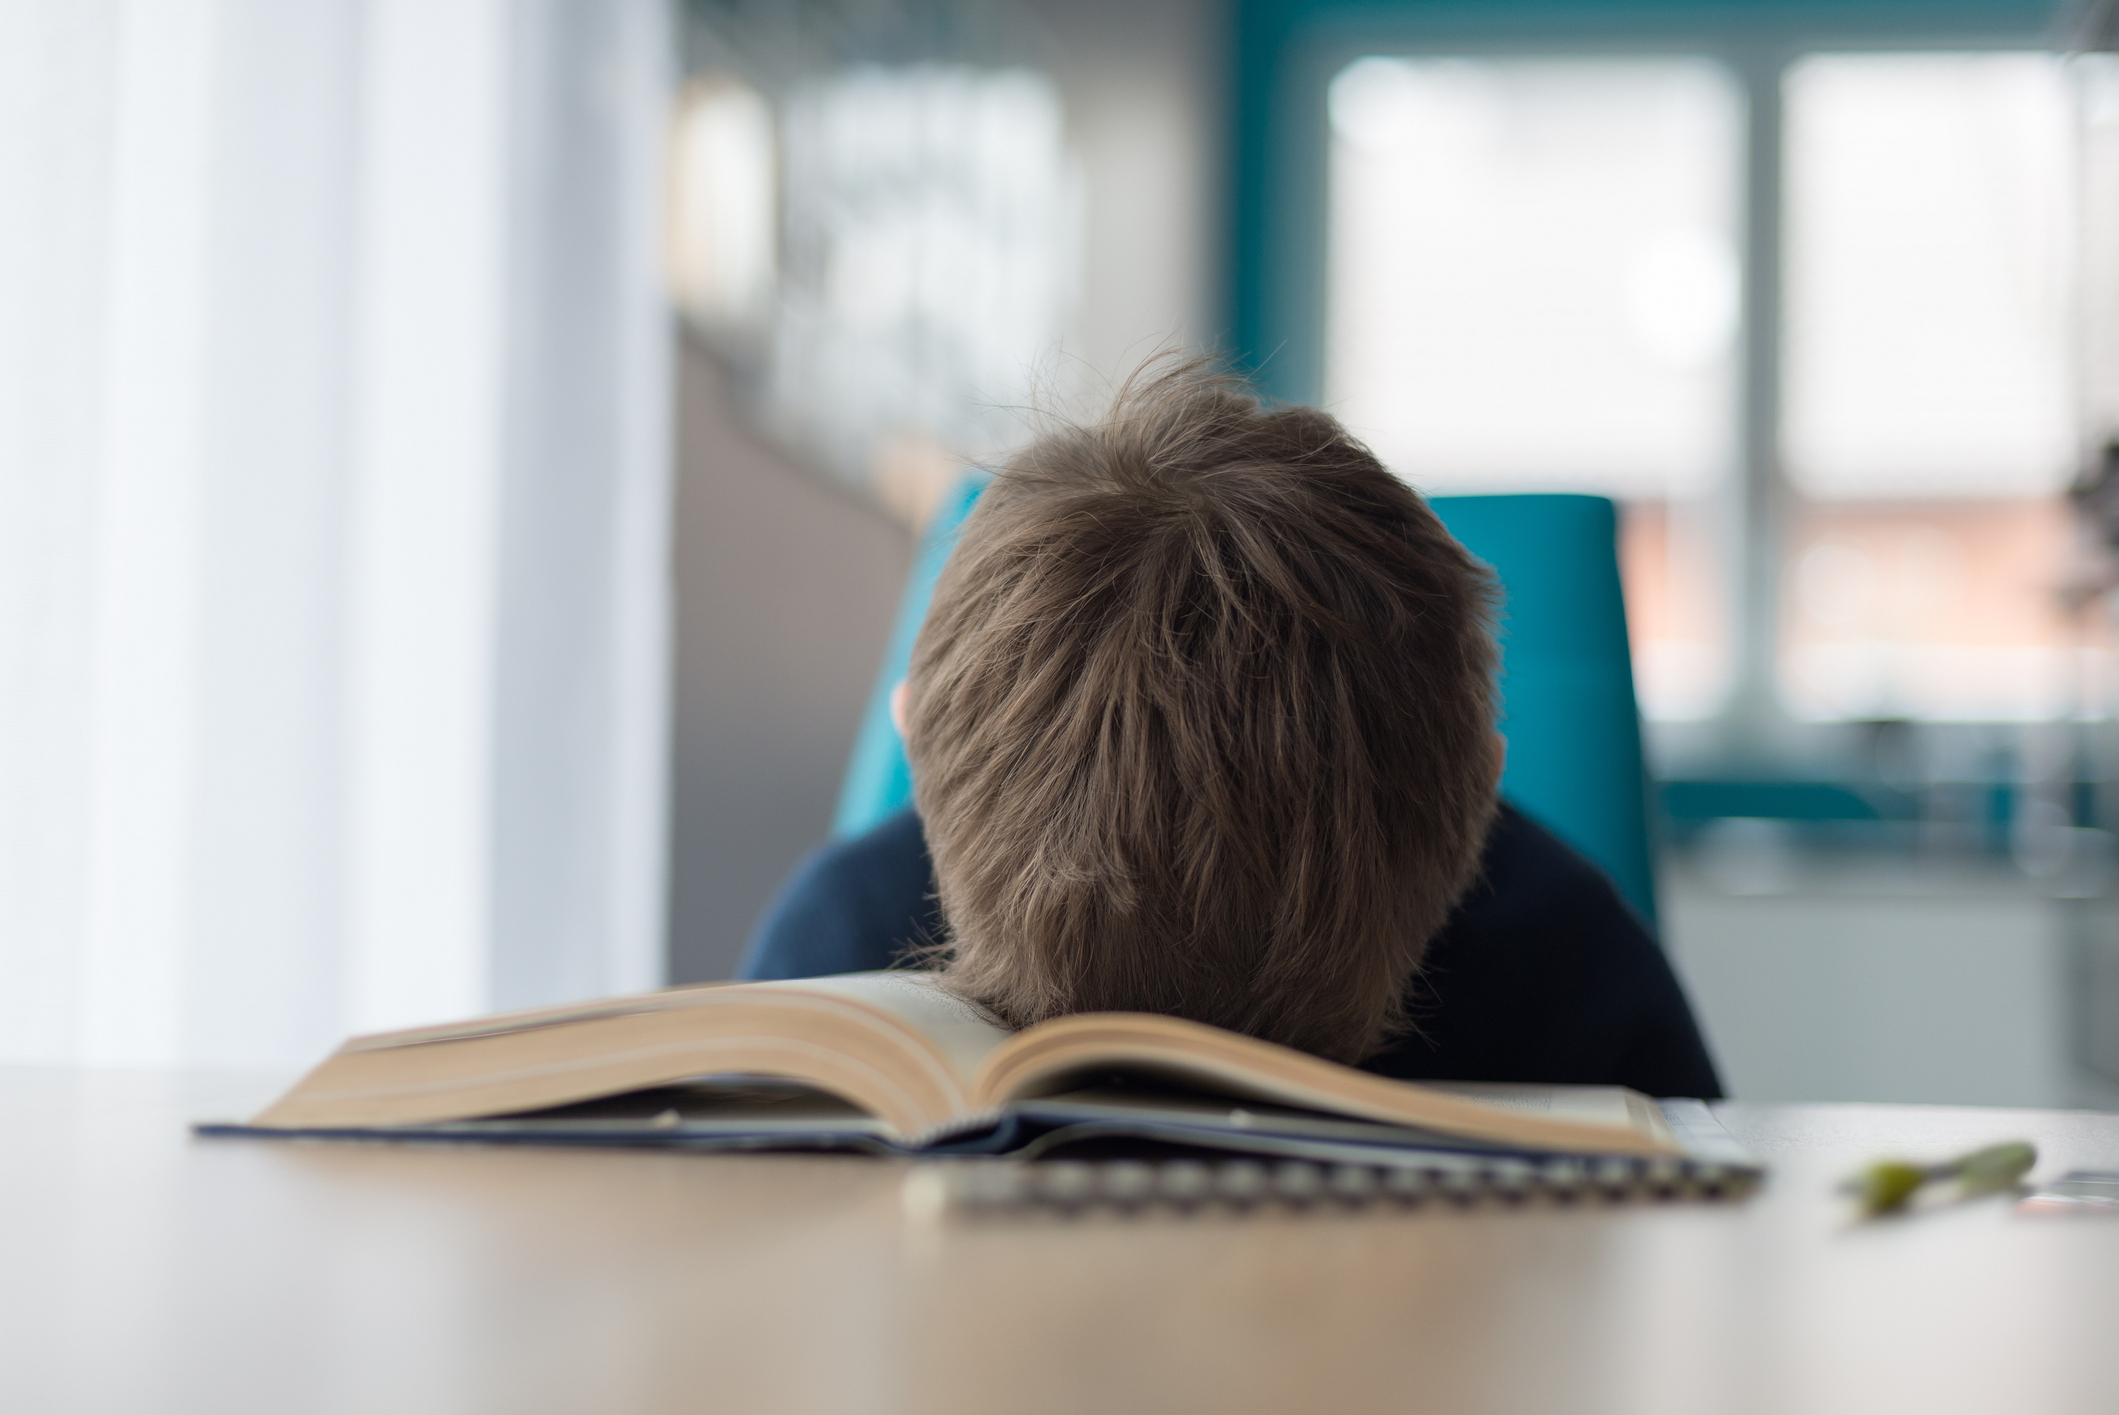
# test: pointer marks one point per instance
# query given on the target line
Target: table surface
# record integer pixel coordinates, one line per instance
(142, 1270)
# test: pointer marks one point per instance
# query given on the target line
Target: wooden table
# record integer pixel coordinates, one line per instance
(143, 1271)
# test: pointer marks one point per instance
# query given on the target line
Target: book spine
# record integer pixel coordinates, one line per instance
(945, 1187)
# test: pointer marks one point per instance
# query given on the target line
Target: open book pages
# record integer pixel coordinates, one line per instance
(894, 1060)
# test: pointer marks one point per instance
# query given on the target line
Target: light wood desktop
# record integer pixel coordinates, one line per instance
(143, 1271)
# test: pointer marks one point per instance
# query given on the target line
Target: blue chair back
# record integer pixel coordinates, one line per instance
(1568, 710)
(1567, 704)
(878, 782)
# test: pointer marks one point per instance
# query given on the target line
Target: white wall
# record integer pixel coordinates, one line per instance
(785, 588)
(1143, 87)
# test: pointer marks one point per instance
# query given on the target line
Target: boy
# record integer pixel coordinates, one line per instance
(1201, 723)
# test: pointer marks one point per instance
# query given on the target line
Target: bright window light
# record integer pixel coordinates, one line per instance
(1927, 285)
(1929, 364)
(1534, 287)
(1533, 274)
(2097, 89)
(723, 221)
(929, 254)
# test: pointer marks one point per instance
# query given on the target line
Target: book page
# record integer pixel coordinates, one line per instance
(961, 1031)
(1067, 1053)
(892, 1043)
(965, 1033)
(1590, 1105)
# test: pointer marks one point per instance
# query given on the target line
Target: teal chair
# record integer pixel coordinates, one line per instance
(1567, 704)
(878, 782)
(1568, 710)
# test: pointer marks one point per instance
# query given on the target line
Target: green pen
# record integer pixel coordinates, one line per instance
(1889, 1185)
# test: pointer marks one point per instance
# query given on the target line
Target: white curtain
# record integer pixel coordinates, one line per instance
(333, 505)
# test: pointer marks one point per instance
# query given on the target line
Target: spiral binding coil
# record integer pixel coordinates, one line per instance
(973, 1186)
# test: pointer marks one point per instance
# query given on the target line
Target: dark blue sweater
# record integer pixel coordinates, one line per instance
(1542, 974)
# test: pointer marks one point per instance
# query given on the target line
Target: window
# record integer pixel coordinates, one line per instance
(929, 216)
(1926, 257)
(1534, 287)
(1928, 416)
(885, 253)
(2097, 81)
(723, 226)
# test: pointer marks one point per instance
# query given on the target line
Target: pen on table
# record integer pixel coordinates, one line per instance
(1889, 1185)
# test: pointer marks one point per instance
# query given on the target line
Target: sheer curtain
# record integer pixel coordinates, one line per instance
(333, 500)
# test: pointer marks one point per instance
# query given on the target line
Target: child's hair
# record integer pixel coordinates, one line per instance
(1201, 721)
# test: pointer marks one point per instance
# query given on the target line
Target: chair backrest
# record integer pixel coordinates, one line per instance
(1568, 709)
(878, 782)
(1567, 703)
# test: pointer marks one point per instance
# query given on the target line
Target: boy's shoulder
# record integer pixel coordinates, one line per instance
(1545, 973)
(1526, 873)
(854, 905)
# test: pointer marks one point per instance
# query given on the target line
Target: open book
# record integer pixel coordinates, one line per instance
(892, 1062)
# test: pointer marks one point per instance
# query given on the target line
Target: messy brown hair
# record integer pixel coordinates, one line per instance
(1200, 723)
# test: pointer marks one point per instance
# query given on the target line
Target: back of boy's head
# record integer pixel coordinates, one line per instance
(1201, 723)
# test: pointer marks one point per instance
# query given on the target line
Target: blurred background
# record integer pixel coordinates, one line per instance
(460, 460)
